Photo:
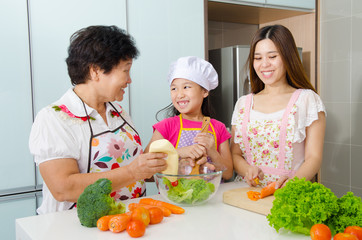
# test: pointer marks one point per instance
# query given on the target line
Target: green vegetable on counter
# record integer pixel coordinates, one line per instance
(349, 213)
(95, 202)
(301, 204)
(189, 191)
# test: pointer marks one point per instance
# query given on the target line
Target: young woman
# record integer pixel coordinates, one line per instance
(278, 129)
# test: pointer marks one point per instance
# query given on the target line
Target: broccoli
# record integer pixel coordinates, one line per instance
(95, 202)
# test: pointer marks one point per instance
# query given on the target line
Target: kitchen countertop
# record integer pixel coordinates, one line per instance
(212, 220)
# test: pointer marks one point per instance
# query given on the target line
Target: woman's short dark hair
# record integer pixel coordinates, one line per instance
(100, 46)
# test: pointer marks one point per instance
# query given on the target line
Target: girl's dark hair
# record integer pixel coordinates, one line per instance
(284, 42)
(171, 111)
(99, 46)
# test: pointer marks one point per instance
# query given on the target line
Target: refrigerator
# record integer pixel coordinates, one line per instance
(230, 64)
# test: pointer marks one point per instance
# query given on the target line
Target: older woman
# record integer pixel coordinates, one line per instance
(84, 136)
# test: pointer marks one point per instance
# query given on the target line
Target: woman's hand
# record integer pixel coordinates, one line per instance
(281, 182)
(193, 151)
(147, 164)
(251, 173)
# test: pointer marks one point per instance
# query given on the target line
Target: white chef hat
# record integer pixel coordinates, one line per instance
(194, 69)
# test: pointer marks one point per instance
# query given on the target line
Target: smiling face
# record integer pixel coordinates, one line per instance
(112, 85)
(268, 63)
(187, 97)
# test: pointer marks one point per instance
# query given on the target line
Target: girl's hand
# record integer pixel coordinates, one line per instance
(252, 173)
(193, 151)
(186, 165)
(206, 140)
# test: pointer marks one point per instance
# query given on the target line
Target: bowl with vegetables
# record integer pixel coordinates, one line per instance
(187, 189)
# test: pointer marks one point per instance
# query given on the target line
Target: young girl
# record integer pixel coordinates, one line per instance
(190, 80)
(278, 130)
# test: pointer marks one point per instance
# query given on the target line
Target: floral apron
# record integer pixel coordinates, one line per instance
(113, 149)
(186, 136)
(266, 145)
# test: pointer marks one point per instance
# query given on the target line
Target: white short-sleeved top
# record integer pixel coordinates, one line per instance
(60, 130)
(307, 107)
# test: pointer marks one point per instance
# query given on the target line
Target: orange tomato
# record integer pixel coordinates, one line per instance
(156, 215)
(136, 228)
(142, 214)
(354, 230)
(344, 236)
(119, 222)
(320, 232)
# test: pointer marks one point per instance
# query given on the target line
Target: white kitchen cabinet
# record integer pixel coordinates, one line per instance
(17, 167)
(51, 24)
(12, 208)
(304, 4)
(164, 31)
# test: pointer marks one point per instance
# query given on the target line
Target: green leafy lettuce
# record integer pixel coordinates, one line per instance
(189, 191)
(349, 213)
(301, 204)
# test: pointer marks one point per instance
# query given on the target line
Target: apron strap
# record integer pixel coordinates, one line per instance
(244, 127)
(283, 129)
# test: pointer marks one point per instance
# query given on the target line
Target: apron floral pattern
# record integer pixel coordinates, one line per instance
(114, 149)
(263, 139)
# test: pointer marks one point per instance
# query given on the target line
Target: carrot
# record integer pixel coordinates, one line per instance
(253, 195)
(268, 190)
(173, 208)
(119, 222)
(102, 223)
(166, 211)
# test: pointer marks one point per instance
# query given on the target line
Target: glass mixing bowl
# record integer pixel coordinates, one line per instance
(189, 190)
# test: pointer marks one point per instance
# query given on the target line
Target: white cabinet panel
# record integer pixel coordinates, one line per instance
(17, 167)
(52, 24)
(18, 207)
(307, 4)
(164, 31)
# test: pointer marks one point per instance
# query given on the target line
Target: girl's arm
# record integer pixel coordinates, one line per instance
(314, 142)
(240, 164)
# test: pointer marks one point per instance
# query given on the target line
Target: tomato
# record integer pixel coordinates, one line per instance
(344, 236)
(136, 228)
(175, 183)
(354, 230)
(156, 215)
(142, 214)
(320, 232)
(119, 223)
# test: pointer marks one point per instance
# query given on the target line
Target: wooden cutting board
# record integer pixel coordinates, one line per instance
(238, 198)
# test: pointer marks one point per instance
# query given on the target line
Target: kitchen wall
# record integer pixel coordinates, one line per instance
(341, 91)
(226, 34)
